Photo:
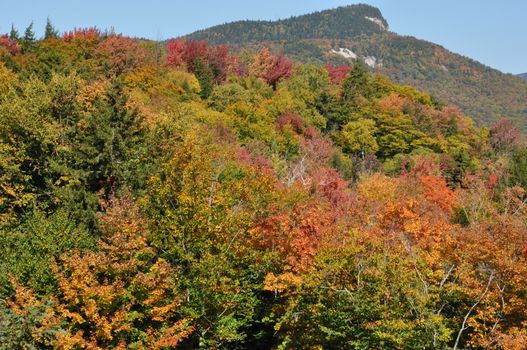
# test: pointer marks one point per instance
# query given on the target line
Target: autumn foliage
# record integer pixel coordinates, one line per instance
(158, 197)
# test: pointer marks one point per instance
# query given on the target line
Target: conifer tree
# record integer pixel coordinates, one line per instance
(29, 38)
(356, 83)
(13, 34)
(50, 31)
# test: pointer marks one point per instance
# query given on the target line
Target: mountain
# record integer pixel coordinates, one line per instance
(523, 75)
(340, 35)
(366, 20)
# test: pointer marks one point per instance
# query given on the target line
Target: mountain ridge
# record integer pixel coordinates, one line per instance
(369, 20)
(337, 36)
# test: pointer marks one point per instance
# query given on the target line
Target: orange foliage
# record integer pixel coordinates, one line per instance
(437, 191)
(121, 293)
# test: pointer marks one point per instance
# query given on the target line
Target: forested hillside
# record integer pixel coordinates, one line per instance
(347, 22)
(186, 197)
(338, 36)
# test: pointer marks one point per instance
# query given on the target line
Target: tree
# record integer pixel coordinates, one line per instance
(50, 32)
(121, 54)
(504, 136)
(205, 77)
(13, 34)
(271, 68)
(518, 168)
(337, 73)
(357, 137)
(9, 44)
(28, 40)
(121, 295)
(356, 84)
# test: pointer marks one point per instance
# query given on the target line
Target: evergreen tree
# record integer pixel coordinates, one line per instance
(357, 83)
(29, 38)
(205, 77)
(13, 34)
(50, 31)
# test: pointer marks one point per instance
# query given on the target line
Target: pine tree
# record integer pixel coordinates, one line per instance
(50, 32)
(205, 77)
(356, 83)
(13, 34)
(29, 38)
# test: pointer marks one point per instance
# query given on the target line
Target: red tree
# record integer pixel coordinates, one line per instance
(337, 73)
(11, 45)
(282, 67)
(84, 34)
(218, 58)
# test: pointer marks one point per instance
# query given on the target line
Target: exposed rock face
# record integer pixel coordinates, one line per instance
(344, 52)
(378, 22)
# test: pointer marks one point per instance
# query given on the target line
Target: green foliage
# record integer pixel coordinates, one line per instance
(360, 299)
(50, 32)
(357, 137)
(482, 92)
(13, 33)
(343, 22)
(205, 77)
(233, 202)
(356, 84)
(28, 250)
(28, 40)
(519, 168)
(17, 331)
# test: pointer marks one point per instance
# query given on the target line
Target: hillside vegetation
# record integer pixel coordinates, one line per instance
(185, 197)
(480, 91)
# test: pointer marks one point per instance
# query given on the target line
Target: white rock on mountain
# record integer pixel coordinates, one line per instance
(378, 22)
(370, 61)
(344, 52)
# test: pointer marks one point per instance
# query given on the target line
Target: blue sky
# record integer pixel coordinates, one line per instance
(493, 32)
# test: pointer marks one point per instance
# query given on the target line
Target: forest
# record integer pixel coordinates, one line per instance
(180, 196)
(483, 93)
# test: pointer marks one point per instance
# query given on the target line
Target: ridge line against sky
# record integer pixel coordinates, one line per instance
(490, 31)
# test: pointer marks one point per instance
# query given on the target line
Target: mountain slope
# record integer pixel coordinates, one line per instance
(339, 35)
(523, 75)
(326, 24)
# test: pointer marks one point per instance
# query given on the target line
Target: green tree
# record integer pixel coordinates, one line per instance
(13, 34)
(356, 84)
(205, 77)
(28, 40)
(50, 31)
(518, 168)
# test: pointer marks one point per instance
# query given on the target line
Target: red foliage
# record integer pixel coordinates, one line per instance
(255, 160)
(194, 50)
(175, 50)
(222, 62)
(124, 53)
(293, 119)
(180, 52)
(11, 45)
(492, 182)
(282, 67)
(332, 187)
(337, 73)
(504, 135)
(84, 34)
